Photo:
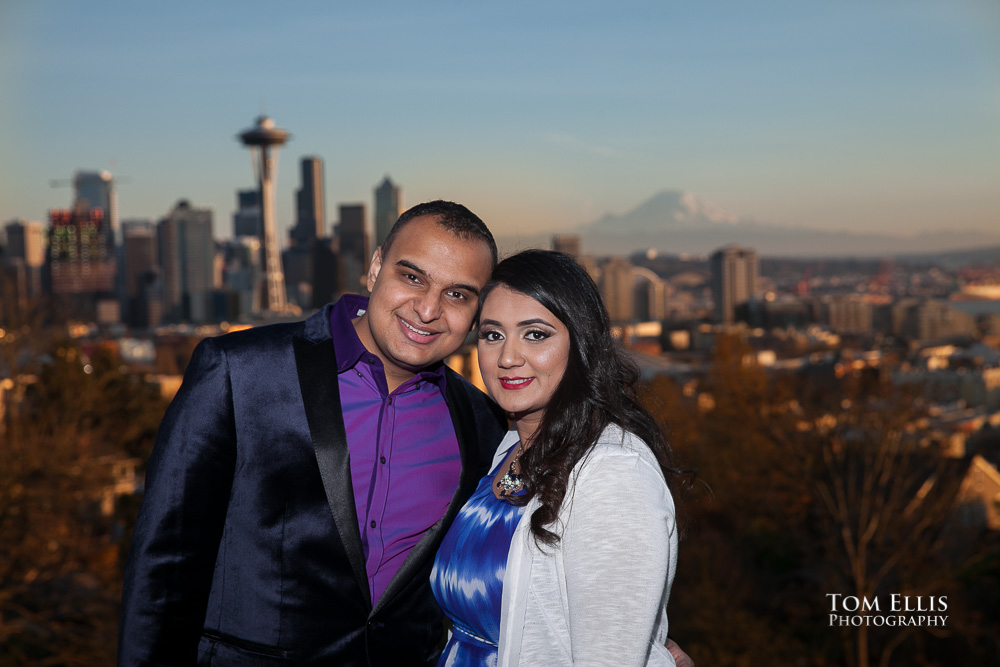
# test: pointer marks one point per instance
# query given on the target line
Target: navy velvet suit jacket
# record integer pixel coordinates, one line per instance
(247, 549)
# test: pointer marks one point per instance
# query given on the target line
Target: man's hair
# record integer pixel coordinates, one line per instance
(457, 219)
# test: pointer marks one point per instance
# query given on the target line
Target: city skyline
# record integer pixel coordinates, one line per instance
(849, 118)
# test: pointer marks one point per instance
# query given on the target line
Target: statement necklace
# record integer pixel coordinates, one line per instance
(511, 481)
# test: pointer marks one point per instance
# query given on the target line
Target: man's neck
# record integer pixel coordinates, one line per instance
(394, 376)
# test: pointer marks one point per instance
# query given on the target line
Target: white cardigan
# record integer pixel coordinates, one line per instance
(599, 597)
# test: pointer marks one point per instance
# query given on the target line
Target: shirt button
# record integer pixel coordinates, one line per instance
(382, 459)
(390, 400)
(372, 524)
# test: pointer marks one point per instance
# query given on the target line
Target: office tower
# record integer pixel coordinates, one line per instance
(242, 273)
(95, 189)
(187, 256)
(264, 140)
(81, 262)
(617, 281)
(310, 210)
(734, 280)
(26, 250)
(650, 294)
(567, 243)
(246, 219)
(328, 273)
(297, 264)
(388, 202)
(141, 269)
(353, 245)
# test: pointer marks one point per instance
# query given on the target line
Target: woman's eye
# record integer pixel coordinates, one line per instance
(535, 334)
(490, 336)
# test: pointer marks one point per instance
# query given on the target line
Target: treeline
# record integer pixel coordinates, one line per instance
(74, 416)
(805, 490)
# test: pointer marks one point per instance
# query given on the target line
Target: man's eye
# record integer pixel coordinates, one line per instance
(457, 295)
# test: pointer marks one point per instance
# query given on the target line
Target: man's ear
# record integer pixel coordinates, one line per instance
(374, 267)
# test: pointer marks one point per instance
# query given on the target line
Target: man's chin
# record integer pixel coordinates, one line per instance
(415, 365)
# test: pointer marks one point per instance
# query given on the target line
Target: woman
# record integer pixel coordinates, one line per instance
(566, 551)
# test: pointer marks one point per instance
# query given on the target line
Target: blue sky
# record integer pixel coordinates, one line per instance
(538, 115)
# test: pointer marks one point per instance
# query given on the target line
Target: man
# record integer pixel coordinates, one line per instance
(305, 473)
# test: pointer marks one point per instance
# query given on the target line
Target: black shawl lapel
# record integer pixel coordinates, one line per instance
(316, 362)
(463, 418)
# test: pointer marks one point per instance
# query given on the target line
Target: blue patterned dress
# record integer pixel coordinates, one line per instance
(467, 578)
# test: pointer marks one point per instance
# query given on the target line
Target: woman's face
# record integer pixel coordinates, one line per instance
(523, 353)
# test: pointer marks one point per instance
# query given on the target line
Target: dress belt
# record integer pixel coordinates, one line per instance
(469, 637)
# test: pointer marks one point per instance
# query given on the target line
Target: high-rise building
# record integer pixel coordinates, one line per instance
(353, 245)
(26, 240)
(388, 201)
(328, 274)
(95, 189)
(242, 272)
(81, 261)
(567, 243)
(297, 265)
(650, 292)
(187, 257)
(734, 280)
(310, 210)
(617, 288)
(24, 258)
(247, 218)
(141, 269)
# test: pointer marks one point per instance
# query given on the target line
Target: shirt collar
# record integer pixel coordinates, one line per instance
(350, 351)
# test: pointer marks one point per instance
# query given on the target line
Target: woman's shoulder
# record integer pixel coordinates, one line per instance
(615, 441)
(623, 451)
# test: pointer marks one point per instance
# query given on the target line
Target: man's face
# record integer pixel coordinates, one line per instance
(424, 295)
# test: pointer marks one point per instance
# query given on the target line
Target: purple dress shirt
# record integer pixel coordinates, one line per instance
(404, 455)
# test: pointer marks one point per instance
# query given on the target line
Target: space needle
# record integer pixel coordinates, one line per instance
(261, 139)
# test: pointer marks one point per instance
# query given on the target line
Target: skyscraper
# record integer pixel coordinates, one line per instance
(24, 258)
(187, 256)
(81, 261)
(734, 280)
(310, 210)
(95, 189)
(141, 270)
(247, 218)
(617, 289)
(388, 201)
(354, 245)
(242, 272)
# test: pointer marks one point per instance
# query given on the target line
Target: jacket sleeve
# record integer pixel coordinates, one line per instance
(179, 528)
(619, 552)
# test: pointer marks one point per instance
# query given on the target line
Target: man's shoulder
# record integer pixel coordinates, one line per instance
(277, 333)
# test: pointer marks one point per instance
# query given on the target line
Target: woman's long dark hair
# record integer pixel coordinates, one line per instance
(597, 389)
